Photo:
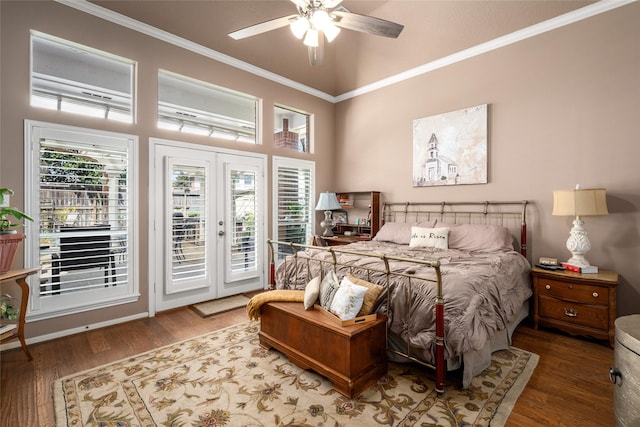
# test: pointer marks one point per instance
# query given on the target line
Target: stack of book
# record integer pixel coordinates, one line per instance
(591, 269)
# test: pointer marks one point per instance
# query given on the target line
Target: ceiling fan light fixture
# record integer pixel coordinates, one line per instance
(331, 32)
(311, 39)
(299, 27)
(320, 19)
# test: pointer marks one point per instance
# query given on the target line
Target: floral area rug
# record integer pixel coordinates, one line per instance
(226, 379)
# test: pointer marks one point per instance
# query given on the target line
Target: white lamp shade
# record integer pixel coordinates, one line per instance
(580, 202)
(320, 19)
(299, 27)
(327, 202)
(311, 39)
(331, 32)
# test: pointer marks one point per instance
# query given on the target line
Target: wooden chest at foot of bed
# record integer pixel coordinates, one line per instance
(352, 357)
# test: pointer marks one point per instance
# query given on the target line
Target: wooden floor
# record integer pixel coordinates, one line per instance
(570, 386)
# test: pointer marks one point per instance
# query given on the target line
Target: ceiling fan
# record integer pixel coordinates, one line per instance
(318, 17)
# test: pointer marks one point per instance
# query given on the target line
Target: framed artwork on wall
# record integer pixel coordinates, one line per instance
(451, 148)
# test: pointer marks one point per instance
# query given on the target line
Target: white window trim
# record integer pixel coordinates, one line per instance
(72, 83)
(278, 161)
(310, 127)
(153, 202)
(130, 293)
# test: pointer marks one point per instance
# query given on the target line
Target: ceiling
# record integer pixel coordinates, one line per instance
(433, 30)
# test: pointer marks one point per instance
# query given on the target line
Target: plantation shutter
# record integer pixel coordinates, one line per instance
(294, 202)
(84, 216)
(189, 216)
(243, 205)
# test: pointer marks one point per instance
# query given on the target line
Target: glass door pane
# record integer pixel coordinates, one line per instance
(187, 229)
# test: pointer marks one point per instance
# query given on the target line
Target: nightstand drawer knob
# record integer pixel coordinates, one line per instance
(547, 287)
(570, 312)
(595, 295)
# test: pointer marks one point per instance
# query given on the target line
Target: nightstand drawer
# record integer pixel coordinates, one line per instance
(574, 292)
(593, 316)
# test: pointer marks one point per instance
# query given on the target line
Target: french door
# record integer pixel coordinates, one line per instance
(208, 214)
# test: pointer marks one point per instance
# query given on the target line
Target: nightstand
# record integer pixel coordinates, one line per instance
(580, 304)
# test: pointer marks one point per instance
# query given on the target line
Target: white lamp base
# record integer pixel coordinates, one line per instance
(327, 224)
(578, 244)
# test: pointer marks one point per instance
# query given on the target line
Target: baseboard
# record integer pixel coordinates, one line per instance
(72, 331)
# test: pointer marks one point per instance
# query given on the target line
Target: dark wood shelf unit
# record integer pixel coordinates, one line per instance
(363, 213)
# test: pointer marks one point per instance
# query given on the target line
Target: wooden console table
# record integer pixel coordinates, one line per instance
(20, 277)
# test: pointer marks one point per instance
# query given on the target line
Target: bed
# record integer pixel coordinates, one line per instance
(455, 278)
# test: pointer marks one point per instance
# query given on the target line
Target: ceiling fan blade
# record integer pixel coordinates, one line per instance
(262, 27)
(367, 24)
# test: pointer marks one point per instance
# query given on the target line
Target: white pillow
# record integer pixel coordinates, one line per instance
(311, 293)
(429, 238)
(348, 299)
(328, 288)
(399, 232)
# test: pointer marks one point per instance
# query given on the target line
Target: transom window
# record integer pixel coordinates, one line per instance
(70, 77)
(291, 129)
(193, 106)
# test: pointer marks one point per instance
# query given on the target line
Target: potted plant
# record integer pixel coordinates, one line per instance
(9, 236)
(7, 309)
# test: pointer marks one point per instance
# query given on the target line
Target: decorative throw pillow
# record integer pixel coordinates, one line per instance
(399, 232)
(370, 298)
(479, 237)
(328, 288)
(348, 300)
(429, 238)
(311, 293)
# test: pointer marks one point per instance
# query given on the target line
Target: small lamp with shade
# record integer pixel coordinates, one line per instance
(327, 202)
(579, 202)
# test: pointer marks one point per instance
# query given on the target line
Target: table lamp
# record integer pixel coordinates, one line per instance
(579, 202)
(327, 202)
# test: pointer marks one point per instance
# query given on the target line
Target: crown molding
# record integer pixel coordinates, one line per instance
(525, 33)
(141, 27)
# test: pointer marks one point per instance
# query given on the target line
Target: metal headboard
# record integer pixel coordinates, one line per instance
(510, 214)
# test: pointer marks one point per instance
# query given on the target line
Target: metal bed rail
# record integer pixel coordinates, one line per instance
(510, 214)
(295, 253)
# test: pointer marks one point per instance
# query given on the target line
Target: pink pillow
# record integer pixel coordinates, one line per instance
(479, 237)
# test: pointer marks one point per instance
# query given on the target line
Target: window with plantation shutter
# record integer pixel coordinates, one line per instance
(188, 259)
(84, 224)
(293, 199)
(244, 207)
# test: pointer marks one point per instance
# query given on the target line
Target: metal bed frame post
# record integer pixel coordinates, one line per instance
(439, 308)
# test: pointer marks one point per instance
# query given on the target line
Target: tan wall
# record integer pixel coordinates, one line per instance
(18, 18)
(564, 108)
